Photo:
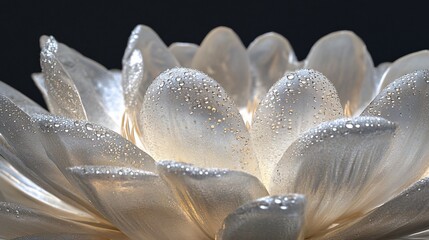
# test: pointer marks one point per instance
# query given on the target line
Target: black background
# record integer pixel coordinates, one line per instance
(100, 30)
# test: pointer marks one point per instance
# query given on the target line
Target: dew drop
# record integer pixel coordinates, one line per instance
(89, 127)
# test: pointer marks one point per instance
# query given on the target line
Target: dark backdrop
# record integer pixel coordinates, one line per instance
(100, 30)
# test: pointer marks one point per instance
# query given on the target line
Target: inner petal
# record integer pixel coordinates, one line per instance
(188, 117)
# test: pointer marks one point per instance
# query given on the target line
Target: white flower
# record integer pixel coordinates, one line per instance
(273, 150)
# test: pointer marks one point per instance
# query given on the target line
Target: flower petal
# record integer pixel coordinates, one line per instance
(138, 202)
(208, 194)
(423, 235)
(18, 221)
(343, 58)
(39, 80)
(296, 103)
(21, 148)
(157, 58)
(406, 102)
(405, 214)
(72, 142)
(99, 90)
(223, 57)
(132, 82)
(274, 217)
(188, 117)
(64, 98)
(23, 102)
(335, 165)
(270, 55)
(17, 188)
(62, 236)
(404, 65)
(184, 52)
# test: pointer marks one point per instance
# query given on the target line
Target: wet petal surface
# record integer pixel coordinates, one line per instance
(405, 214)
(156, 56)
(298, 102)
(100, 92)
(18, 221)
(406, 102)
(209, 195)
(404, 65)
(196, 122)
(19, 99)
(335, 165)
(150, 212)
(274, 217)
(63, 95)
(21, 148)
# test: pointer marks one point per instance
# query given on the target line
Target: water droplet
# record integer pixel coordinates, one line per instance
(89, 127)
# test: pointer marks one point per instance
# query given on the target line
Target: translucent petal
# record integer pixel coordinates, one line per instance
(423, 235)
(274, 217)
(133, 79)
(404, 65)
(379, 72)
(296, 103)
(270, 55)
(223, 57)
(18, 221)
(100, 91)
(62, 236)
(17, 188)
(184, 52)
(188, 115)
(39, 80)
(138, 202)
(64, 98)
(71, 142)
(157, 58)
(335, 165)
(405, 214)
(23, 102)
(406, 102)
(210, 194)
(343, 58)
(21, 148)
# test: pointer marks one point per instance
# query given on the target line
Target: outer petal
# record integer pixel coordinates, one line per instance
(296, 103)
(404, 65)
(71, 143)
(188, 117)
(406, 102)
(17, 221)
(64, 98)
(270, 55)
(209, 195)
(405, 214)
(23, 102)
(16, 188)
(223, 57)
(184, 52)
(336, 165)
(22, 149)
(343, 58)
(62, 236)
(100, 91)
(137, 202)
(274, 217)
